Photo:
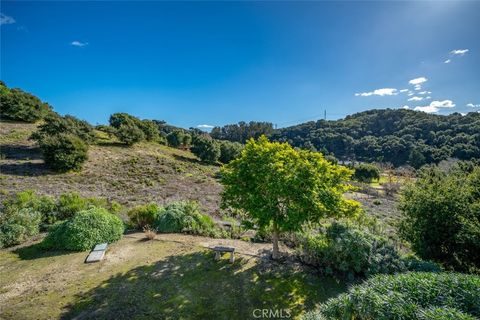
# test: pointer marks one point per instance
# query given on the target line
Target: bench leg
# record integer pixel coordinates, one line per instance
(232, 257)
(217, 255)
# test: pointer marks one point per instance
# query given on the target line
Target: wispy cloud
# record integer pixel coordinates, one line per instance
(403, 90)
(447, 61)
(418, 81)
(77, 43)
(471, 105)
(424, 92)
(379, 92)
(435, 106)
(459, 52)
(4, 19)
(205, 126)
(406, 107)
(415, 99)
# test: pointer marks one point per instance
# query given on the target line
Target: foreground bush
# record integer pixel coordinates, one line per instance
(17, 225)
(63, 152)
(441, 216)
(185, 216)
(143, 216)
(355, 251)
(28, 199)
(84, 230)
(70, 203)
(414, 295)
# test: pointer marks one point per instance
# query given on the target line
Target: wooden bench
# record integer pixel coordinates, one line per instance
(219, 250)
(97, 253)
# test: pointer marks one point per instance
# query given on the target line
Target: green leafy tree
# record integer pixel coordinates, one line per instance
(55, 124)
(150, 129)
(442, 216)
(283, 189)
(205, 148)
(186, 140)
(130, 134)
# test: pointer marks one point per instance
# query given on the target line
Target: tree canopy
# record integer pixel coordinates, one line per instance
(390, 135)
(282, 188)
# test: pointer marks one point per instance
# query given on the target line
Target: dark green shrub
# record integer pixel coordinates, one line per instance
(63, 152)
(55, 124)
(413, 295)
(229, 151)
(21, 106)
(142, 216)
(185, 216)
(175, 138)
(86, 229)
(205, 148)
(150, 130)
(351, 251)
(130, 134)
(441, 217)
(365, 172)
(17, 225)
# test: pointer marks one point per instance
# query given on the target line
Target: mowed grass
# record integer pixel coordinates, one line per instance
(153, 280)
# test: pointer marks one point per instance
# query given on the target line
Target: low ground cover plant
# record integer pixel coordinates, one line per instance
(86, 229)
(413, 295)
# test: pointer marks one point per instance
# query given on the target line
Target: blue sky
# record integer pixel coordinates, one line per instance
(213, 63)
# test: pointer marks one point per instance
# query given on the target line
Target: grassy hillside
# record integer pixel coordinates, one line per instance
(143, 173)
(167, 278)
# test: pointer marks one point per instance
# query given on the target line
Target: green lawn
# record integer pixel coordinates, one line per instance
(153, 280)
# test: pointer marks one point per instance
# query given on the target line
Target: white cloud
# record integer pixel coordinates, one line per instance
(406, 107)
(379, 92)
(415, 99)
(417, 81)
(205, 126)
(78, 43)
(471, 105)
(424, 92)
(404, 90)
(418, 87)
(442, 104)
(435, 106)
(427, 98)
(4, 19)
(427, 109)
(459, 52)
(447, 61)
(411, 93)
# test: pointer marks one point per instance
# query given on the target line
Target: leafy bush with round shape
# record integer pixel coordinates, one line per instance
(185, 216)
(28, 199)
(229, 151)
(206, 149)
(64, 152)
(150, 129)
(355, 251)
(365, 172)
(142, 216)
(85, 230)
(55, 124)
(17, 225)
(413, 295)
(130, 134)
(175, 138)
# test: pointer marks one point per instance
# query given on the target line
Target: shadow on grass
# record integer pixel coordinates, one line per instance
(195, 286)
(186, 159)
(18, 152)
(26, 169)
(111, 144)
(36, 251)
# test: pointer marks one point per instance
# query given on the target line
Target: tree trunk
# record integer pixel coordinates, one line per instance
(276, 252)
